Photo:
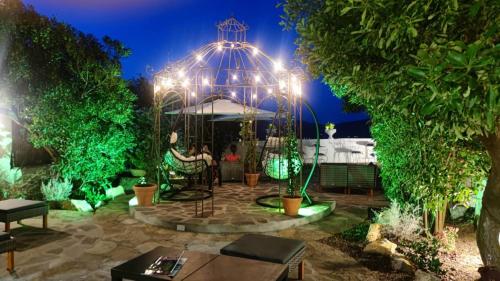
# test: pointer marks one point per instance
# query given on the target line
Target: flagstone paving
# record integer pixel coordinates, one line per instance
(83, 246)
(234, 211)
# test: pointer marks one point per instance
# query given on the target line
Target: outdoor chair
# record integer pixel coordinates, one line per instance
(270, 249)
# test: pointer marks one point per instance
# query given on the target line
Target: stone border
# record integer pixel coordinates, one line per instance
(145, 215)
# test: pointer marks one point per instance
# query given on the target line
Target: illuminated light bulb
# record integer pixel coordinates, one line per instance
(167, 83)
(219, 47)
(232, 45)
(199, 57)
(278, 66)
(235, 77)
(193, 94)
(205, 81)
(157, 88)
(257, 78)
(282, 84)
(255, 51)
(269, 91)
(254, 96)
(185, 83)
(294, 79)
(180, 73)
(233, 93)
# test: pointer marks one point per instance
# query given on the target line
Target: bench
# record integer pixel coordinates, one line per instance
(18, 209)
(8, 245)
(270, 249)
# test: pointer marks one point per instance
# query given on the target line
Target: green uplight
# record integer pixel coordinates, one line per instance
(306, 211)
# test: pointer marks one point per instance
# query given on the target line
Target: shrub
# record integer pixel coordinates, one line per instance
(57, 189)
(404, 223)
(357, 233)
(424, 253)
(448, 238)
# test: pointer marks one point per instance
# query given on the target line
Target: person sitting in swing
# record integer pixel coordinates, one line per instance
(233, 156)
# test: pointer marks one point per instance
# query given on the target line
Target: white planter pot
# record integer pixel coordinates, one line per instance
(330, 133)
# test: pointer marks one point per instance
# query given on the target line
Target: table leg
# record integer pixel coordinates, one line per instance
(301, 270)
(7, 227)
(45, 222)
(10, 261)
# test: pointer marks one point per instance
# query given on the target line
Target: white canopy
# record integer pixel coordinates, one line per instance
(225, 107)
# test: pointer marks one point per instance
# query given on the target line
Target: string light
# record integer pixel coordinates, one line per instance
(254, 96)
(167, 83)
(235, 77)
(199, 57)
(232, 45)
(255, 51)
(185, 83)
(219, 47)
(193, 94)
(278, 66)
(257, 78)
(180, 73)
(205, 81)
(269, 91)
(282, 85)
(233, 94)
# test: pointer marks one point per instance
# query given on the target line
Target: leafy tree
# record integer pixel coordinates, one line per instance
(69, 95)
(432, 61)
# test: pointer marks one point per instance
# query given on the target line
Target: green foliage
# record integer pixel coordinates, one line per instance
(8, 176)
(71, 97)
(247, 133)
(357, 233)
(292, 154)
(426, 71)
(57, 189)
(140, 155)
(329, 126)
(424, 253)
(402, 223)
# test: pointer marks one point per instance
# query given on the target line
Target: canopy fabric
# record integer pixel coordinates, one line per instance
(223, 107)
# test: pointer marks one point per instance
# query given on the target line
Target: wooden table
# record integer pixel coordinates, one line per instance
(201, 266)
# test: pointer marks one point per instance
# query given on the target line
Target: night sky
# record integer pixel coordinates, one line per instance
(161, 31)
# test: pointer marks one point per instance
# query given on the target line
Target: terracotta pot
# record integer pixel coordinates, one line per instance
(291, 205)
(252, 179)
(138, 172)
(145, 194)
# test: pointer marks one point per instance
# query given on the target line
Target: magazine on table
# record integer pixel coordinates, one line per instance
(168, 266)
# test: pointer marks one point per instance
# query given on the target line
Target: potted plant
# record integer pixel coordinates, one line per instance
(293, 199)
(330, 129)
(250, 164)
(144, 192)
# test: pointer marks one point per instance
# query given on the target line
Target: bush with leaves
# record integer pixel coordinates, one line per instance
(403, 222)
(57, 189)
(424, 253)
(71, 98)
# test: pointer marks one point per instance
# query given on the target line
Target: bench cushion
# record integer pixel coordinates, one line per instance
(15, 205)
(4, 236)
(264, 248)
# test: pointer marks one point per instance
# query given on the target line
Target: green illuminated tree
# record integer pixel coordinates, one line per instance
(435, 62)
(69, 95)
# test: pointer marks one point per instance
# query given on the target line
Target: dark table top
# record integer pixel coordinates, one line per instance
(201, 266)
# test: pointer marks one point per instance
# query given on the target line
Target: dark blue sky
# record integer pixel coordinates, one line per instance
(159, 31)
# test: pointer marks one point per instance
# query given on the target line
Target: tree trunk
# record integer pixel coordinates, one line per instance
(488, 232)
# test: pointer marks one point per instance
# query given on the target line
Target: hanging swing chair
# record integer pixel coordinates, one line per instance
(275, 162)
(188, 166)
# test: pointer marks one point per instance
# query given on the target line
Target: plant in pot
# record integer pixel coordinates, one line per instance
(293, 199)
(250, 164)
(330, 129)
(144, 192)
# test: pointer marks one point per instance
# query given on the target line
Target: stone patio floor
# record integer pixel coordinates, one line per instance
(83, 246)
(235, 211)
